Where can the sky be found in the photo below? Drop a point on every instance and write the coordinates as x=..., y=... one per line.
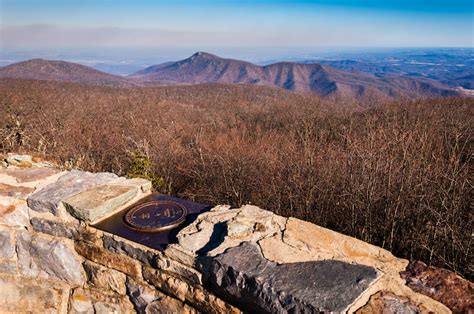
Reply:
x=41, y=24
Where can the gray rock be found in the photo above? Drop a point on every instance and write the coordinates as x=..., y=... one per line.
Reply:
x=48, y=198
x=47, y=258
x=6, y=246
x=53, y=228
x=144, y=256
x=59, y=229
x=140, y=295
x=243, y=277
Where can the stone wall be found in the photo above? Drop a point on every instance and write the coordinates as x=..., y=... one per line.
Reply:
x=228, y=260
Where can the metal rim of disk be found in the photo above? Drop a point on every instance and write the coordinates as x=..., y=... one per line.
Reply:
x=136, y=226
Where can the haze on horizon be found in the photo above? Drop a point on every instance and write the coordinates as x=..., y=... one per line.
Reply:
x=59, y=24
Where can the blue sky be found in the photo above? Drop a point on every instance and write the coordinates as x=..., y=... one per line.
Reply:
x=218, y=23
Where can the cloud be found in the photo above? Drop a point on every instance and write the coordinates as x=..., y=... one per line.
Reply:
x=40, y=36
x=44, y=36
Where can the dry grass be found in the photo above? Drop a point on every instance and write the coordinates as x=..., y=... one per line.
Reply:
x=397, y=175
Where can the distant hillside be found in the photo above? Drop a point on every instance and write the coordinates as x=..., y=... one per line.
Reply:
x=39, y=69
x=320, y=79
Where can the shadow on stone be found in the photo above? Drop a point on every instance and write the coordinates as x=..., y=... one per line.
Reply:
x=245, y=278
x=217, y=237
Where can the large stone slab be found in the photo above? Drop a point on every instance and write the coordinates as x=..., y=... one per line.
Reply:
x=48, y=198
x=20, y=295
x=245, y=278
x=99, y=201
x=48, y=258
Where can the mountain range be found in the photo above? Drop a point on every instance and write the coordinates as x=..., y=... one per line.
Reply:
x=201, y=67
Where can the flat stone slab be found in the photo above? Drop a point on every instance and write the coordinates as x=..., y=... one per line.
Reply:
x=30, y=174
x=20, y=192
x=244, y=277
x=99, y=201
x=48, y=198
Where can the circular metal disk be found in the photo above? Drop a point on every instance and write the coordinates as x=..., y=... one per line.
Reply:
x=156, y=216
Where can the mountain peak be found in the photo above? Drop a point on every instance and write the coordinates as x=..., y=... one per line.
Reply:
x=203, y=55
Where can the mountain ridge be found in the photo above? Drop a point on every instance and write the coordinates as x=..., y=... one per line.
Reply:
x=319, y=79
x=201, y=67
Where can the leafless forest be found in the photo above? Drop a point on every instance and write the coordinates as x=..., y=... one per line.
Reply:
x=398, y=175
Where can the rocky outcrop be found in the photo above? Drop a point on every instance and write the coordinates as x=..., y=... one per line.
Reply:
x=53, y=259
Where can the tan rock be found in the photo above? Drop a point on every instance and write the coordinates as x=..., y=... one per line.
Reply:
x=19, y=192
x=22, y=295
x=106, y=258
x=144, y=185
x=96, y=301
x=13, y=212
x=105, y=278
x=193, y=294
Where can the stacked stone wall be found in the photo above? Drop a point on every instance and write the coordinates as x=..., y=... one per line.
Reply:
x=52, y=259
